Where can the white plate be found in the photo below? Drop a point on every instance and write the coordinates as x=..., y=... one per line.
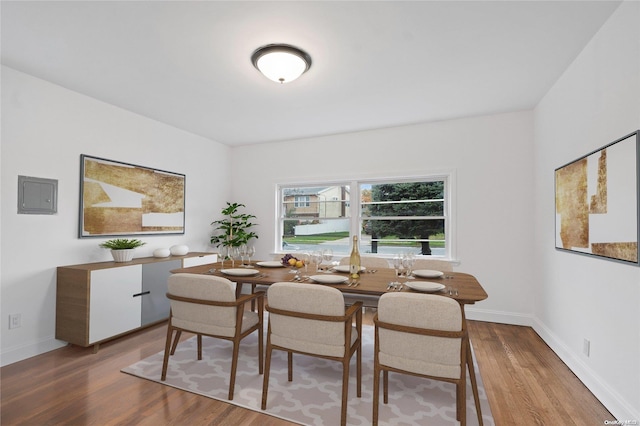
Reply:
x=240, y=272
x=270, y=264
x=428, y=273
x=346, y=268
x=424, y=286
x=329, y=279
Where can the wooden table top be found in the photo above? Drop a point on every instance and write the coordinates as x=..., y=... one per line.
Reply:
x=469, y=290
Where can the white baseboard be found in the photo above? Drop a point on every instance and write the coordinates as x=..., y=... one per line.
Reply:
x=22, y=352
x=614, y=402
x=501, y=317
x=620, y=409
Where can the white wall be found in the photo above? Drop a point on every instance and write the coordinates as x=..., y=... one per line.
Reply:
x=491, y=157
x=45, y=128
x=577, y=297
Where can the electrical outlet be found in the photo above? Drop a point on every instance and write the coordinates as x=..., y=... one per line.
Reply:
x=15, y=321
x=586, y=347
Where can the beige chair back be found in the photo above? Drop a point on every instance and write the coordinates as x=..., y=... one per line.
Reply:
x=303, y=334
x=427, y=355
x=433, y=264
x=206, y=319
x=370, y=262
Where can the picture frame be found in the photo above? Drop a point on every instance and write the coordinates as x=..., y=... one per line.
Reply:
x=118, y=198
x=597, y=203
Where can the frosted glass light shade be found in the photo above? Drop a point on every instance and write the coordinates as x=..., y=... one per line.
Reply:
x=281, y=63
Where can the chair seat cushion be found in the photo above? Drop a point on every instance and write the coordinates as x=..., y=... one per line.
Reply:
x=419, y=366
x=311, y=346
x=249, y=319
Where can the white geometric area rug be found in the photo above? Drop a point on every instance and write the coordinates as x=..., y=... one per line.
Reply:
x=314, y=395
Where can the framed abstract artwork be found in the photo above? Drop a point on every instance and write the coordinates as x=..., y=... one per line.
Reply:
x=597, y=202
x=118, y=198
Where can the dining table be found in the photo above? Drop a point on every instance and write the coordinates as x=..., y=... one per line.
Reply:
x=460, y=286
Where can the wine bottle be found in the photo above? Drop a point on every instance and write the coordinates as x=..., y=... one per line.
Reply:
x=354, y=260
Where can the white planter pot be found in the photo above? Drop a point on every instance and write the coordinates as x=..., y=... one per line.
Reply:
x=125, y=255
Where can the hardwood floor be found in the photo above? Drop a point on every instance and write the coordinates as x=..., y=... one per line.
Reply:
x=525, y=381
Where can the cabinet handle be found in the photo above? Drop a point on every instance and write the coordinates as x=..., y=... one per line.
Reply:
x=142, y=294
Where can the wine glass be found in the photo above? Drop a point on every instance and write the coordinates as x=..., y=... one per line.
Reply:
x=233, y=255
x=306, y=258
x=251, y=251
x=242, y=252
x=327, y=254
x=223, y=251
x=409, y=261
x=316, y=257
x=397, y=264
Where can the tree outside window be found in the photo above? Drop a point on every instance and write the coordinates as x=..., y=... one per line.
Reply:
x=408, y=214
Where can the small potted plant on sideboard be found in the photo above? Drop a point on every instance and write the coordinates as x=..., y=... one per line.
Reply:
x=122, y=248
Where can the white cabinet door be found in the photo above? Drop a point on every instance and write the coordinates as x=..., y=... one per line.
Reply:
x=200, y=260
x=113, y=309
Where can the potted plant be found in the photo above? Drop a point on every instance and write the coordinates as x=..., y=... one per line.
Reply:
x=122, y=248
x=234, y=229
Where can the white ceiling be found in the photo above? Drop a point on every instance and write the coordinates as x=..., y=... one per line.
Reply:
x=375, y=64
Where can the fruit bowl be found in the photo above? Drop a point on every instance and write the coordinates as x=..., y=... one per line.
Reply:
x=292, y=261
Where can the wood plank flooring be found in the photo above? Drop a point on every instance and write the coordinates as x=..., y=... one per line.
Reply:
x=525, y=381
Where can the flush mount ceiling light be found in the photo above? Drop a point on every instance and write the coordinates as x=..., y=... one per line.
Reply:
x=281, y=63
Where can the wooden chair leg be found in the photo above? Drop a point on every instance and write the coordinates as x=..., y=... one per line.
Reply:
x=234, y=367
x=176, y=340
x=260, y=351
x=167, y=350
x=260, y=335
x=462, y=398
x=253, y=302
x=474, y=384
x=345, y=392
x=265, y=382
x=290, y=364
x=376, y=394
x=359, y=369
x=199, y=347
x=385, y=386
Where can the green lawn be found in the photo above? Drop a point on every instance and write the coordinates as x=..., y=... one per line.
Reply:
x=316, y=238
x=321, y=238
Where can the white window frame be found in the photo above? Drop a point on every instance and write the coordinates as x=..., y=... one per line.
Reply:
x=447, y=176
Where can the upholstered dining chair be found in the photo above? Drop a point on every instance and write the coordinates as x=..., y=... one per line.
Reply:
x=311, y=319
x=422, y=335
x=207, y=306
x=370, y=262
x=433, y=264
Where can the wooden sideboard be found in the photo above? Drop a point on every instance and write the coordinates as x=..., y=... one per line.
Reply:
x=100, y=301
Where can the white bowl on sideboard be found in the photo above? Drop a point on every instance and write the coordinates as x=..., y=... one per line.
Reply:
x=179, y=250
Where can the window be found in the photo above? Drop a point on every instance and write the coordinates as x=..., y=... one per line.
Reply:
x=389, y=217
x=301, y=201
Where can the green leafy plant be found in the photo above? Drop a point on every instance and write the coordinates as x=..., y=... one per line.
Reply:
x=122, y=244
x=233, y=230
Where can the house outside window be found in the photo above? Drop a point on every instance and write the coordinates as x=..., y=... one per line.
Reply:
x=391, y=216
